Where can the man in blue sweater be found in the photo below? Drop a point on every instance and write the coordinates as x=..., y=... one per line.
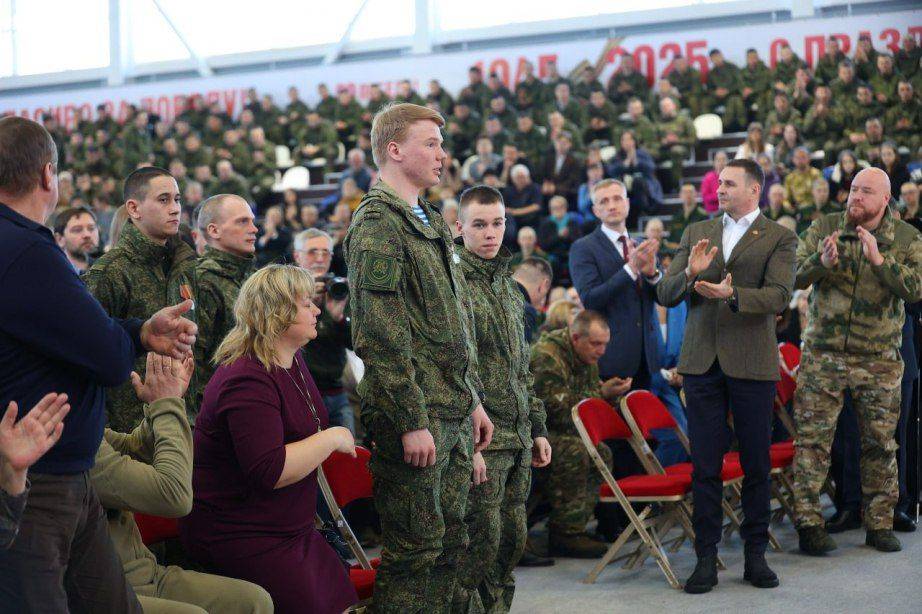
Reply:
x=55, y=337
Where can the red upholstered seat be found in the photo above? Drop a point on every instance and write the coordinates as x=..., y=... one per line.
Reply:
x=789, y=361
x=784, y=444
x=364, y=579
x=731, y=469
x=780, y=457
x=650, y=486
x=156, y=529
x=349, y=478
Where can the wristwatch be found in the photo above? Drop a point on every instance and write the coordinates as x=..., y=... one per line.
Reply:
x=733, y=301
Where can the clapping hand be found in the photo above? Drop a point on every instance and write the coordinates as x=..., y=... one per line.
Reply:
x=869, y=246
x=24, y=442
x=830, y=256
x=700, y=258
x=642, y=259
x=168, y=333
x=616, y=386
x=723, y=290
x=164, y=378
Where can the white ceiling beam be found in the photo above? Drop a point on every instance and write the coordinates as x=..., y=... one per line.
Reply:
x=200, y=63
x=336, y=49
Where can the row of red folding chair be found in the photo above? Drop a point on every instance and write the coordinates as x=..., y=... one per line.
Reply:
x=597, y=421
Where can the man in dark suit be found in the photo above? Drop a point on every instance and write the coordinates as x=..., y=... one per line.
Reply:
x=562, y=171
x=737, y=272
x=617, y=278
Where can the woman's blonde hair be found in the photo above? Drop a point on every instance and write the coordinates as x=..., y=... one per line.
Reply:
x=116, y=226
x=560, y=314
x=266, y=307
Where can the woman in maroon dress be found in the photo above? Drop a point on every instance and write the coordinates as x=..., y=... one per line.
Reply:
x=259, y=438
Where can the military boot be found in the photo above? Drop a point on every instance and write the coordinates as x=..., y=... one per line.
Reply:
x=883, y=539
x=704, y=578
x=575, y=546
x=815, y=541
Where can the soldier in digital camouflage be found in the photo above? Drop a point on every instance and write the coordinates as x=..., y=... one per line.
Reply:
x=421, y=394
x=564, y=364
x=864, y=264
x=226, y=223
x=496, y=516
x=148, y=269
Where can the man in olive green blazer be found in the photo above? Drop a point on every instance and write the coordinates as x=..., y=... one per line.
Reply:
x=737, y=273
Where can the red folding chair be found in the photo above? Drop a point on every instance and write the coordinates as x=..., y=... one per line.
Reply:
x=644, y=413
x=788, y=363
x=597, y=421
x=342, y=480
x=155, y=529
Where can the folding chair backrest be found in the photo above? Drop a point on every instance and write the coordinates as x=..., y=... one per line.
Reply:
x=601, y=421
x=349, y=478
x=648, y=412
x=789, y=362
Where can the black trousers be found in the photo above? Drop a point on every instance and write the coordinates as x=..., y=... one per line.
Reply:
x=845, y=464
x=709, y=398
x=63, y=560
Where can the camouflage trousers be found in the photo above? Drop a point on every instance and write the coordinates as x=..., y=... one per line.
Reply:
x=497, y=528
x=733, y=115
x=422, y=517
x=573, y=484
x=875, y=386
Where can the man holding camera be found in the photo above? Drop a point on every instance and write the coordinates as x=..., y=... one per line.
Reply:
x=326, y=355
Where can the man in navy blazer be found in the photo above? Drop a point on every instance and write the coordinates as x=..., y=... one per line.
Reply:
x=617, y=278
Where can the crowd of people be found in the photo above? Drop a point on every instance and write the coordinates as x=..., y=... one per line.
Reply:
x=478, y=261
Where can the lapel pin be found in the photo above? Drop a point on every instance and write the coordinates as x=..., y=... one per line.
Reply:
x=755, y=232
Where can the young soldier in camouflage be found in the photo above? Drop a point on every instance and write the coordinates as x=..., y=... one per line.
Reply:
x=863, y=265
x=496, y=517
x=564, y=364
x=225, y=221
x=148, y=269
x=412, y=326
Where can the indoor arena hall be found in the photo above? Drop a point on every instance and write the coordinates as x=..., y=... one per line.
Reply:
x=442, y=307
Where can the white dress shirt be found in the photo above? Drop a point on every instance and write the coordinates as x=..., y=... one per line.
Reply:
x=615, y=237
x=734, y=230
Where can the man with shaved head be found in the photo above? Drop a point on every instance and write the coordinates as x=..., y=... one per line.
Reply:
x=863, y=264
x=226, y=224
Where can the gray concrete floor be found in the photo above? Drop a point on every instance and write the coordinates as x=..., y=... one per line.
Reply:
x=854, y=578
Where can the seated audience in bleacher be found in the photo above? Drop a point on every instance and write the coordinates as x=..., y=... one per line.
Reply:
x=260, y=436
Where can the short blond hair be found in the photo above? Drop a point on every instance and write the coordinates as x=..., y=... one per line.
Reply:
x=266, y=307
x=391, y=124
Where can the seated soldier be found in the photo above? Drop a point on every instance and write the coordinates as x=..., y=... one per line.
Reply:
x=564, y=364
x=149, y=471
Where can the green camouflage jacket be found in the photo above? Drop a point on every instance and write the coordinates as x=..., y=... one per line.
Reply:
x=502, y=352
x=135, y=279
x=219, y=276
x=412, y=323
x=561, y=379
x=857, y=307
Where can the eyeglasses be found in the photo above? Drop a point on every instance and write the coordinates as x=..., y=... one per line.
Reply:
x=317, y=252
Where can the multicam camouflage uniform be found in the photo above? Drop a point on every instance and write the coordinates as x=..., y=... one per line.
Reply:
x=412, y=326
x=852, y=341
x=496, y=517
x=219, y=276
x=562, y=380
x=136, y=279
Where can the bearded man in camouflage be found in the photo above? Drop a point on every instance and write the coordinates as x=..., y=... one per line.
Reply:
x=863, y=265
x=421, y=394
x=496, y=519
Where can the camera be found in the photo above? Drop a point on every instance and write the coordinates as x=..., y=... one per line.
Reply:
x=337, y=288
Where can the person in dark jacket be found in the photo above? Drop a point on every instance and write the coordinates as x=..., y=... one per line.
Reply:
x=55, y=337
x=634, y=167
